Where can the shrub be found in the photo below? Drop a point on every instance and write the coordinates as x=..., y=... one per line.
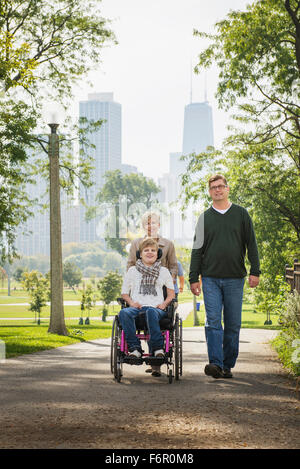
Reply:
x=287, y=343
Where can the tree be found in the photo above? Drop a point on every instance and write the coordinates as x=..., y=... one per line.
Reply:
x=257, y=54
x=109, y=287
x=71, y=274
x=38, y=288
x=44, y=49
x=126, y=197
x=18, y=273
x=86, y=303
x=50, y=44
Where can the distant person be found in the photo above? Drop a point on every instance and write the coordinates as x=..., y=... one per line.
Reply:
x=180, y=277
x=223, y=235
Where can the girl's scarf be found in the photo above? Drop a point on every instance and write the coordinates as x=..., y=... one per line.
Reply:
x=149, y=276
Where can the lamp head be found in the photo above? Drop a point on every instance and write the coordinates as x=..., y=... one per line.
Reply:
x=53, y=128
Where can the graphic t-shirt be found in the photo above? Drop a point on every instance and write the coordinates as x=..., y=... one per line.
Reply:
x=132, y=282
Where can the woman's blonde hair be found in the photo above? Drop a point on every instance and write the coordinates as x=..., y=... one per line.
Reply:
x=150, y=214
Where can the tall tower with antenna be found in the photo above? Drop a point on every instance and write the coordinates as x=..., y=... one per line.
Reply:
x=198, y=124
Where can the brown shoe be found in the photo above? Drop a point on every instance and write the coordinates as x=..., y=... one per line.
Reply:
x=213, y=370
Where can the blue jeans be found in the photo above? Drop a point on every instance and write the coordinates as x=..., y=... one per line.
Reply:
x=153, y=315
x=223, y=294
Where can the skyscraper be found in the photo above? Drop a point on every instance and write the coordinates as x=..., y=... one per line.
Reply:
x=106, y=154
x=34, y=235
x=197, y=136
x=198, y=128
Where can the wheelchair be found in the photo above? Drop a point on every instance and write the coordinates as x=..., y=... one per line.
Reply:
x=171, y=328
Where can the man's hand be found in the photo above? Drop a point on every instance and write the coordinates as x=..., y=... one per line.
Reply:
x=253, y=281
x=195, y=288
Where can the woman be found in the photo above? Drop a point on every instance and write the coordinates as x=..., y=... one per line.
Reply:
x=151, y=225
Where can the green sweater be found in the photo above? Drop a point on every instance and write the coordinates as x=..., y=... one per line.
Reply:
x=221, y=251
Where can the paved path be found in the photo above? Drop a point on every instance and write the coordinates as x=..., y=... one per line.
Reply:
x=66, y=398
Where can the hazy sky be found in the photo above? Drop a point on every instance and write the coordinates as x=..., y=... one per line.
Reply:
x=149, y=72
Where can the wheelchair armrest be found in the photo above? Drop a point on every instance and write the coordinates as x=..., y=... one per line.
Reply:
x=122, y=302
x=171, y=308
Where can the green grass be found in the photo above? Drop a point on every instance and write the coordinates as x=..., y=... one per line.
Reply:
x=22, y=296
x=29, y=338
x=70, y=312
x=26, y=336
x=250, y=319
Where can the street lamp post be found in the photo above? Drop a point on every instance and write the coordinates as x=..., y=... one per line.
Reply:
x=57, y=319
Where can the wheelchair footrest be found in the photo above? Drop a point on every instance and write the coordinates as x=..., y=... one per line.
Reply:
x=154, y=361
x=132, y=360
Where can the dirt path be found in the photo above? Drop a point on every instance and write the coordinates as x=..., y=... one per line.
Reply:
x=66, y=398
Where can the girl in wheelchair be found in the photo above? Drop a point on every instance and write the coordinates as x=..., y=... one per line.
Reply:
x=143, y=291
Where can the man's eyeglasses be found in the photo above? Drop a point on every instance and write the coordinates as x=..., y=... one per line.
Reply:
x=220, y=187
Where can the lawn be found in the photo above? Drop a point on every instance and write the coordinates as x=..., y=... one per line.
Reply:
x=250, y=319
x=26, y=336
x=73, y=311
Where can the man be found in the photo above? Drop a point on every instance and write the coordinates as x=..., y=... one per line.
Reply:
x=223, y=234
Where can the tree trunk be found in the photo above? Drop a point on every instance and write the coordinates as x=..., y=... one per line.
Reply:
x=57, y=319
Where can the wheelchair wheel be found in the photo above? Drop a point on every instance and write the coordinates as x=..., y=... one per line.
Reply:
x=177, y=347
x=180, y=347
x=112, y=345
x=115, y=362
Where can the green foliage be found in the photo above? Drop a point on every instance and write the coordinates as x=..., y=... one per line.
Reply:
x=287, y=344
x=28, y=263
x=257, y=54
x=18, y=273
x=44, y=49
x=87, y=299
x=38, y=287
x=53, y=42
x=71, y=274
x=258, y=45
x=290, y=313
x=92, y=259
x=270, y=297
x=121, y=202
x=109, y=288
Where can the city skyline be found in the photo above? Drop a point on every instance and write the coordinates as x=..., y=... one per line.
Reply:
x=150, y=74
